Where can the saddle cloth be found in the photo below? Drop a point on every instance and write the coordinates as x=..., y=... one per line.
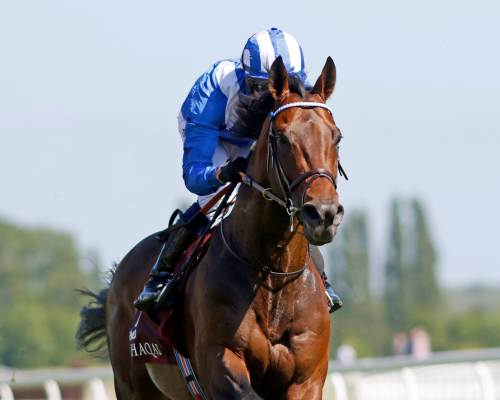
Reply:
x=154, y=336
x=157, y=338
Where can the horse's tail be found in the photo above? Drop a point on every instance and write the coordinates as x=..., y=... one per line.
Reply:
x=91, y=333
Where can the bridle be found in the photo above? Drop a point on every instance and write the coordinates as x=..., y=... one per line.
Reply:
x=287, y=187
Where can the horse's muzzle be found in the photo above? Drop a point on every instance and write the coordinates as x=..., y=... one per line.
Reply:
x=321, y=221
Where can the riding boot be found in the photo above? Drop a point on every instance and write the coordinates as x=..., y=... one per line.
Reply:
x=334, y=300
x=162, y=271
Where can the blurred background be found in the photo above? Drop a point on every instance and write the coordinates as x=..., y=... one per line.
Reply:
x=90, y=160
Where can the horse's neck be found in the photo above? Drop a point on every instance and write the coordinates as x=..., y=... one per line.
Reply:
x=260, y=230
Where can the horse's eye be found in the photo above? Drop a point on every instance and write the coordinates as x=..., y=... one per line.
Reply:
x=339, y=138
x=282, y=139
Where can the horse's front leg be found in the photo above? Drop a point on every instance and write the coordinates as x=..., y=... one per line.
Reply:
x=226, y=375
x=312, y=388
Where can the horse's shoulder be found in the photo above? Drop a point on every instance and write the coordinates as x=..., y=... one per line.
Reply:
x=221, y=274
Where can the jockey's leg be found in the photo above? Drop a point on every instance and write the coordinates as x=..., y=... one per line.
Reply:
x=191, y=224
x=162, y=271
x=334, y=300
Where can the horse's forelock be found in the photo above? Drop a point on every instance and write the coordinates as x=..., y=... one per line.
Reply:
x=252, y=110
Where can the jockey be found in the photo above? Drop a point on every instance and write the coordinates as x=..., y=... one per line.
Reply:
x=213, y=153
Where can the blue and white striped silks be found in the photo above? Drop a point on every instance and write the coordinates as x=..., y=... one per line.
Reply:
x=208, y=115
x=264, y=47
x=209, y=111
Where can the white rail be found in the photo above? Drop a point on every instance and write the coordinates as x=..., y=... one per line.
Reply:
x=453, y=381
x=6, y=392
x=442, y=357
x=96, y=383
x=469, y=375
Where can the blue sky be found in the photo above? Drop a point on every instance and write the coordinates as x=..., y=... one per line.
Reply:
x=90, y=90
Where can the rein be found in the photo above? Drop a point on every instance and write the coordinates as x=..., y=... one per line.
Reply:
x=288, y=187
x=263, y=267
x=163, y=295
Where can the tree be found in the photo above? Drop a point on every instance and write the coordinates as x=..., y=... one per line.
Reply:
x=474, y=328
x=39, y=272
x=351, y=263
x=427, y=292
x=412, y=294
x=349, y=257
x=397, y=302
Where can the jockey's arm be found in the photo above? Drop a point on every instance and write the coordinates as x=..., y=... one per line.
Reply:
x=203, y=113
x=200, y=175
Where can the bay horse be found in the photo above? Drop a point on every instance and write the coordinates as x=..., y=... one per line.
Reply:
x=255, y=317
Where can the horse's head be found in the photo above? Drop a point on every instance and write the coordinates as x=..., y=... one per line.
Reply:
x=303, y=151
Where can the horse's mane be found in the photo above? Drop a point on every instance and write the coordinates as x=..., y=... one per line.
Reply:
x=253, y=109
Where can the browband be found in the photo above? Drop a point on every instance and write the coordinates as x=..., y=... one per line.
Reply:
x=303, y=104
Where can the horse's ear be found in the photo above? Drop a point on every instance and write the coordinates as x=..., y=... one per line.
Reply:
x=278, y=79
x=326, y=82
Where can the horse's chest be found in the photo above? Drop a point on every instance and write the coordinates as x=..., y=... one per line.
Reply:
x=288, y=339
x=274, y=360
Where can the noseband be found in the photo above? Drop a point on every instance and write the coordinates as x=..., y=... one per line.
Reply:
x=286, y=186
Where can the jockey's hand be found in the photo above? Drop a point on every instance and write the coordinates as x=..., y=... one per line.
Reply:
x=230, y=172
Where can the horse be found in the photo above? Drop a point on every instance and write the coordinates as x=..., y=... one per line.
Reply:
x=254, y=314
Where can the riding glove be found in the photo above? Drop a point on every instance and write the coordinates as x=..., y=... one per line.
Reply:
x=230, y=172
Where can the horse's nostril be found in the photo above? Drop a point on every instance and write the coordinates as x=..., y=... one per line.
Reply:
x=321, y=214
x=329, y=217
x=311, y=213
x=339, y=215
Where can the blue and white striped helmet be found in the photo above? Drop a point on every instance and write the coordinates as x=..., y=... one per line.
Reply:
x=265, y=46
